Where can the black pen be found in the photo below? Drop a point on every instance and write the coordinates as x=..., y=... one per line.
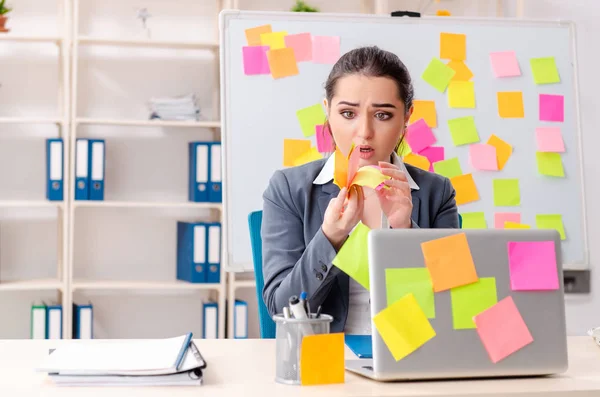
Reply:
x=318, y=312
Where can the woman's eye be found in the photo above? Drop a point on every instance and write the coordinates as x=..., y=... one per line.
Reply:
x=347, y=114
x=382, y=116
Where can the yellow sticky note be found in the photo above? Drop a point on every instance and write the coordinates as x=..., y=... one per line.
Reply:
x=311, y=155
x=424, y=110
x=463, y=73
x=473, y=220
x=353, y=258
x=503, y=150
x=466, y=190
x=253, y=34
x=369, y=176
x=403, y=326
x=544, y=70
x=417, y=160
x=275, y=40
x=461, y=94
x=453, y=46
x=438, y=74
x=506, y=192
x=404, y=149
x=293, y=149
x=551, y=221
x=510, y=104
x=550, y=164
x=282, y=62
x=322, y=359
x=515, y=225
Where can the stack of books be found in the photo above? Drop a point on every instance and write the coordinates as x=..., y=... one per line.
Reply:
x=175, y=108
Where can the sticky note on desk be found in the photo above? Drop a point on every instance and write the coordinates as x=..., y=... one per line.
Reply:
x=532, y=265
x=463, y=130
x=419, y=136
x=550, y=164
x=322, y=359
x=253, y=34
x=473, y=220
x=424, y=110
x=255, y=60
x=472, y=299
x=453, y=46
x=506, y=192
x=403, y=326
x=275, y=40
x=461, y=94
x=466, y=189
x=544, y=70
x=400, y=282
x=326, y=49
x=503, y=150
x=293, y=149
x=309, y=117
x=551, y=221
x=552, y=107
x=302, y=45
x=449, y=262
x=353, y=258
x=438, y=75
x=282, y=63
x=505, y=64
x=448, y=168
x=510, y=104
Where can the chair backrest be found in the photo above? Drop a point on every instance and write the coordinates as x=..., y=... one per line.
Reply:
x=267, y=325
x=459, y=221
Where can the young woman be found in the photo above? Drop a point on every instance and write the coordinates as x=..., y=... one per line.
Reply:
x=307, y=218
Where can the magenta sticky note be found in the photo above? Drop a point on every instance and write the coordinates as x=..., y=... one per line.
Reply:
x=502, y=329
x=255, y=60
x=483, y=157
x=302, y=45
x=505, y=64
x=419, y=136
x=433, y=154
x=532, y=265
x=324, y=139
x=501, y=217
x=549, y=139
x=552, y=107
x=325, y=49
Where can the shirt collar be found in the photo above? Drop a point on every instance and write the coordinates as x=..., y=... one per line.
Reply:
x=326, y=174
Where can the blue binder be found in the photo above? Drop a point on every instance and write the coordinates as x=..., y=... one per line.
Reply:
x=215, y=194
x=191, y=252
x=240, y=319
x=54, y=321
x=82, y=176
x=54, y=169
x=198, y=171
x=210, y=320
x=213, y=252
x=96, y=168
x=83, y=321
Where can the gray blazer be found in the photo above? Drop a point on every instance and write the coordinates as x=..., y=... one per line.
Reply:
x=296, y=254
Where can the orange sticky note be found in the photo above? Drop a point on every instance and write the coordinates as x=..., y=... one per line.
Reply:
x=340, y=173
x=510, y=104
x=282, y=62
x=449, y=262
x=293, y=149
x=466, y=190
x=322, y=359
x=503, y=150
x=463, y=73
x=453, y=46
x=311, y=155
x=253, y=34
x=424, y=110
x=417, y=160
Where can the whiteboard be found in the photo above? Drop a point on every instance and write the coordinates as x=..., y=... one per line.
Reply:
x=259, y=112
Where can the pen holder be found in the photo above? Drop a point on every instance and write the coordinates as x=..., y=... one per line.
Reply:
x=288, y=334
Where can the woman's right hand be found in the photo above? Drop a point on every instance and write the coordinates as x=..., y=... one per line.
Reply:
x=342, y=214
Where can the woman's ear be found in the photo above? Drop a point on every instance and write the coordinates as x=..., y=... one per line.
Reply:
x=326, y=106
x=409, y=113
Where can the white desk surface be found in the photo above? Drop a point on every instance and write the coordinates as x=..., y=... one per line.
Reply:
x=247, y=368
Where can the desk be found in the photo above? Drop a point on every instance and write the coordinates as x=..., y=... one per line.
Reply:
x=241, y=368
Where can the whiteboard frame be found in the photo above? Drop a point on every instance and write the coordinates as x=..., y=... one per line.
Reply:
x=226, y=15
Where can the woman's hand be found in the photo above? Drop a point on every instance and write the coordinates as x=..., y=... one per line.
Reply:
x=396, y=202
x=342, y=215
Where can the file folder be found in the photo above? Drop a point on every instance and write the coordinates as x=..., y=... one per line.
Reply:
x=82, y=179
x=213, y=244
x=83, y=321
x=38, y=321
x=54, y=321
x=210, y=320
x=240, y=320
x=96, y=168
x=54, y=169
x=215, y=194
x=191, y=252
x=198, y=171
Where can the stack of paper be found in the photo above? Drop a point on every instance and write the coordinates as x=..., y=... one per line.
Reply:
x=174, y=108
x=172, y=361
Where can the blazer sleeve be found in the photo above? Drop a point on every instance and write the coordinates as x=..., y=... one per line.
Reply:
x=290, y=265
x=447, y=215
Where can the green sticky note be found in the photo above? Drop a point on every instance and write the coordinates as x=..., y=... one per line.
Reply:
x=448, y=168
x=404, y=148
x=473, y=220
x=400, y=282
x=549, y=164
x=507, y=192
x=470, y=300
x=544, y=70
x=438, y=74
x=463, y=130
x=551, y=221
x=353, y=257
x=310, y=117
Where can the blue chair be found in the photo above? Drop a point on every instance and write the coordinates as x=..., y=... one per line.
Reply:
x=459, y=221
x=267, y=325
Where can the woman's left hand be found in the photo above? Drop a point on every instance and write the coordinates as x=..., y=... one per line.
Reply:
x=396, y=202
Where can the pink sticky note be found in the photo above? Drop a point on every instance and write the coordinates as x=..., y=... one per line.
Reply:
x=324, y=140
x=326, y=49
x=255, y=60
x=504, y=64
x=419, y=136
x=483, y=157
x=549, y=139
x=502, y=329
x=552, y=107
x=302, y=45
x=501, y=217
x=532, y=265
x=433, y=153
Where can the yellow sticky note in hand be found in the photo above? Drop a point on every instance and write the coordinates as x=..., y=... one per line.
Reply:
x=369, y=176
x=463, y=73
x=403, y=326
x=510, y=104
x=417, y=160
x=466, y=189
x=311, y=155
x=282, y=62
x=353, y=258
x=551, y=221
x=275, y=40
x=453, y=46
x=253, y=34
x=293, y=149
x=424, y=110
x=503, y=150
x=461, y=94
x=322, y=359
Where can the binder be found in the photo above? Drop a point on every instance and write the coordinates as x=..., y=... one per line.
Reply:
x=198, y=171
x=38, y=321
x=213, y=253
x=215, y=194
x=83, y=321
x=240, y=319
x=96, y=168
x=191, y=251
x=210, y=320
x=82, y=179
x=54, y=321
x=54, y=169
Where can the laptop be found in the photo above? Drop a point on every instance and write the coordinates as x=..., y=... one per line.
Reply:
x=460, y=353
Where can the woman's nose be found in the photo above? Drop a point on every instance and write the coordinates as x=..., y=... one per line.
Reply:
x=365, y=129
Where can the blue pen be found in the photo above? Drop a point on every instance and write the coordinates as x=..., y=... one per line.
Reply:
x=305, y=303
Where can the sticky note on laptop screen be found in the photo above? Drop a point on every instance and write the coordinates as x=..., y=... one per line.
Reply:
x=322, y=359
x=400, y=282
x=472, y=299
x=532, y=265
x=353, y=257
